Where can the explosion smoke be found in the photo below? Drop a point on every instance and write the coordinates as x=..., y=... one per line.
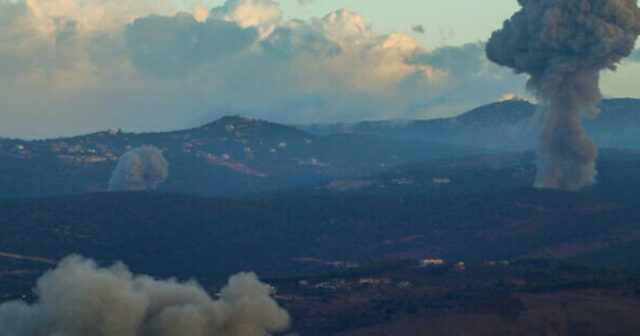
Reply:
x=563, y=45
x=141, y=168
x=78, y=298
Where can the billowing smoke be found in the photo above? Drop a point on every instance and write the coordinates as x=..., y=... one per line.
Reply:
x=563, y=45
x=141, y=168
x=79, y=298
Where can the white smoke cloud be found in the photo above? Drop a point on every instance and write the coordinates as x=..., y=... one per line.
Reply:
x=141, y=66
x=141, y=168
x=80, y=298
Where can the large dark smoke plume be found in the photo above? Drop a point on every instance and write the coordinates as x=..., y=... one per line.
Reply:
x=141, y=168
x=563, y=45
x=81, y=299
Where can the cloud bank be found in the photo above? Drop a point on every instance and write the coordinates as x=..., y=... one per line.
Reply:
x=80, y=298
x=142, y=168
x=77, y=66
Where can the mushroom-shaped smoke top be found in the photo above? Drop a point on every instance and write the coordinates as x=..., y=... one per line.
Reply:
x=80, y=298
x=141, y=168
x=563, y=45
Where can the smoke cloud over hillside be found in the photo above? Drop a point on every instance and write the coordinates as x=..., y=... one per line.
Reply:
x=80, y=298
x=563, y=45
x=141, y=168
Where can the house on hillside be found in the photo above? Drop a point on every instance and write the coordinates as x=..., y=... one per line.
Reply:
x=431, y=262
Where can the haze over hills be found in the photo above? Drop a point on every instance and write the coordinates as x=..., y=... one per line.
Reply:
x=512, y=125
x=235, y=156
x=230, y=157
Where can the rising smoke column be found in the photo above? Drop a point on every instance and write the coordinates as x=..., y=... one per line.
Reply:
x=141, y=168
x=563, y=45
x=79, y=298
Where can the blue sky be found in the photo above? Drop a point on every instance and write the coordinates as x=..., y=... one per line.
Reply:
x=78, y=66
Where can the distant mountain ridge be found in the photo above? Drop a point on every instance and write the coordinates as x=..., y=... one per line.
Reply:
x=512, y=125
x=232, y=156
x=236, y=156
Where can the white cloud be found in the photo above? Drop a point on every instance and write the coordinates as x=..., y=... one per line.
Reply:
x=347, y=27
x=262, y=14
x=201, y=14
x=77, y=66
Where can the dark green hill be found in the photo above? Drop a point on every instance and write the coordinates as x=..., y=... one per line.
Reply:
x=618, y=178
x=207, y=238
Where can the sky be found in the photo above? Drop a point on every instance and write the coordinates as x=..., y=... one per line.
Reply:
x=71, y=67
